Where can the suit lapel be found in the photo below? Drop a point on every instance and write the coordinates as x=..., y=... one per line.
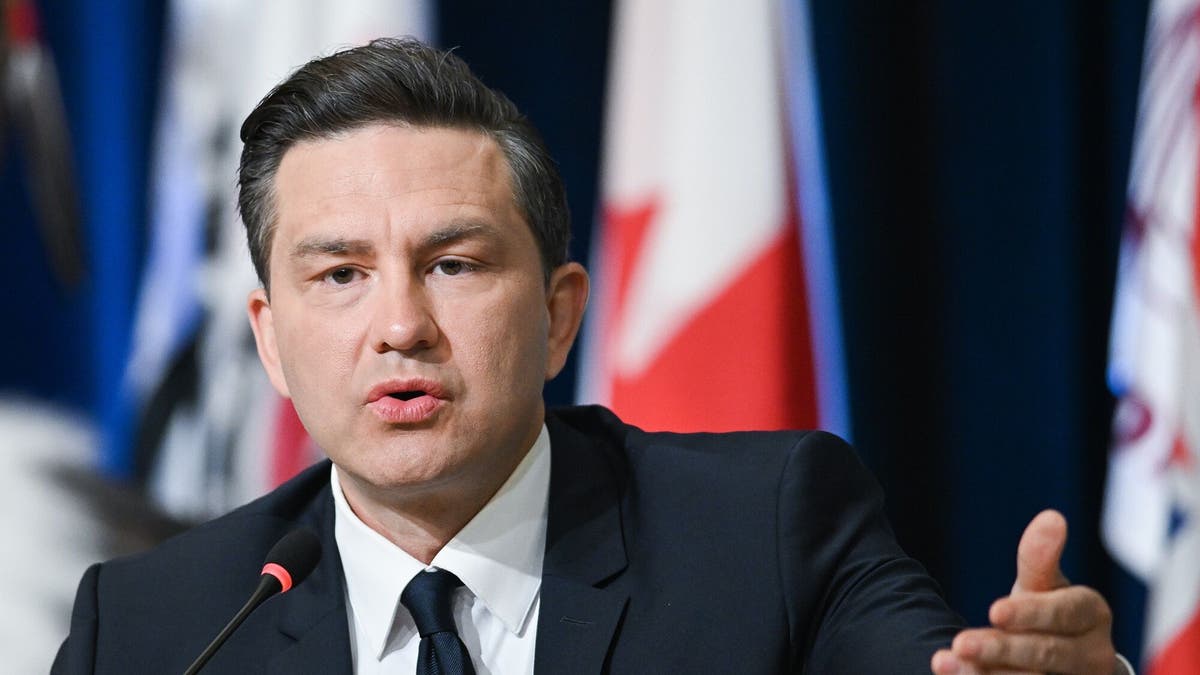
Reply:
x=584, y=549
x=314, y=613
x=576, y=626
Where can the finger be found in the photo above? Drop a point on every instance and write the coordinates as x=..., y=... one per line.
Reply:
x=992, y=649
x=1039, y=553
x=968, y=644
x=1067, y=611
x=944, y=662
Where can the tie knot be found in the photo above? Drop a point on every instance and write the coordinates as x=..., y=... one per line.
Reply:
x=427, y=597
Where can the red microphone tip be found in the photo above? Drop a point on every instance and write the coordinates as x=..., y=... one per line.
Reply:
x=277, y=571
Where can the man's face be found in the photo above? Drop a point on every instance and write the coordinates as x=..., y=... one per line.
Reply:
x=409, y=319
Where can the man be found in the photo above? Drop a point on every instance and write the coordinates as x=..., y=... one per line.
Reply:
x=410, y=232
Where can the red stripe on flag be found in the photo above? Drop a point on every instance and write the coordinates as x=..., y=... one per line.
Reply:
x=289, y=446
x=624, y=230
x=1181, y=655
x=21, y=19
x=1180, y=455
x=742, y=362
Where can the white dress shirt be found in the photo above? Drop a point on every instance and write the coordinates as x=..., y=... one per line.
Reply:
x=497, y=555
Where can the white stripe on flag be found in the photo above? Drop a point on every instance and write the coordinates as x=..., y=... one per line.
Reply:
x=225, y=56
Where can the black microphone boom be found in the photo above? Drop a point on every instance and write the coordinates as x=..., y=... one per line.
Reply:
x=288, y=562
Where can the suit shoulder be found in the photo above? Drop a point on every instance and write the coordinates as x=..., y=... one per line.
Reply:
x=736, y=455
x=782, y=444
x=148, y=612
x=599, y=422
x=231, y=541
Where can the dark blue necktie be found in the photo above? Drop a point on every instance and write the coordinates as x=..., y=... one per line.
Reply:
x=441, y=651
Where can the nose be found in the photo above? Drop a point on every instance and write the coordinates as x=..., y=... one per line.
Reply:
x=403, y=318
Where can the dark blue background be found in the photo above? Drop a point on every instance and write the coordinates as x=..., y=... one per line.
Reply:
x=977, y=160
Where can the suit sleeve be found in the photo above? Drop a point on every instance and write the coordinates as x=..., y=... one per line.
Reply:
x=77, y=654
x=857, y=603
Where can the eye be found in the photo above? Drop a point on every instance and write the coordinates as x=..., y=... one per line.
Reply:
x=452, y=267
x=342, y=275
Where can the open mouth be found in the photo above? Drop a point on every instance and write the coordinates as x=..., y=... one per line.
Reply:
x=406, y=401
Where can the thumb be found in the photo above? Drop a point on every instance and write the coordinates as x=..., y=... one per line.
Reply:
x=1039, y=553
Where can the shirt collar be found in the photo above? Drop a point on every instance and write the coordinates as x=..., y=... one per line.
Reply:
x=497, y=555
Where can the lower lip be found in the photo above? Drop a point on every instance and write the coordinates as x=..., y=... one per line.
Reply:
x=412, y=411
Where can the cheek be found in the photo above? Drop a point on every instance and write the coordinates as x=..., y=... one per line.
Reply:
x=509, y=343
x=315, y=351
x=528, y=345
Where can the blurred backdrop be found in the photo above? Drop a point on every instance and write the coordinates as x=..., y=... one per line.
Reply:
x=975, y=166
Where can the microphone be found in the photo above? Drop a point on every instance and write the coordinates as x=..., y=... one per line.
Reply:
x=288, y=563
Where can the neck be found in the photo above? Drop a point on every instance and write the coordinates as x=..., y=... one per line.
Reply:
x=421, y=519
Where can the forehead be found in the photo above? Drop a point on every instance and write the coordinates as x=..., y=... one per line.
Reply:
x=402, y=176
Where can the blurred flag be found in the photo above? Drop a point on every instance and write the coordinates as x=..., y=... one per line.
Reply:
x=714, y=306
x=212, y=432
x=51, y=534
x=32, y=110
x=1152, y=502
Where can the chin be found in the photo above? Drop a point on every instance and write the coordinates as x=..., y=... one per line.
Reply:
x=390, y=475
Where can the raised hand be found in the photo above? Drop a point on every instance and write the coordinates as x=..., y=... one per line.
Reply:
x=1044, y=625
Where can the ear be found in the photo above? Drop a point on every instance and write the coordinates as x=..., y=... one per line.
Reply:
x=566, y=299
x=258, y=307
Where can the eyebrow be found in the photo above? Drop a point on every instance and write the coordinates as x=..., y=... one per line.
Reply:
x=457, y=231
x=338, y=246
x=316, y=246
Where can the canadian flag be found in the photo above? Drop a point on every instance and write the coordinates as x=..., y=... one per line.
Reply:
x=705, y=315
x=1152, y=500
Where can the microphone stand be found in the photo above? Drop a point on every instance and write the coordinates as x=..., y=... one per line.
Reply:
x=267, y=586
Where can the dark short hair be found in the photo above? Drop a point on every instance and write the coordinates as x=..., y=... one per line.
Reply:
x=401, y=81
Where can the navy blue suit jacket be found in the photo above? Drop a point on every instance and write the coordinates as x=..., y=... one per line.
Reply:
x=705, y=553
